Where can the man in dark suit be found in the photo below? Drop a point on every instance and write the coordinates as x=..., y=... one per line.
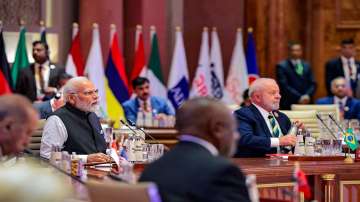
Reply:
x=40, y=80
x=349, y=107
x=194, y=170
x=345, y=65
x=262, y=127
x=295, y=78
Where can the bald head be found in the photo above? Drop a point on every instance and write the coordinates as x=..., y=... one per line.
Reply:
x=208, y=119
x=339, y=87
x=18, y=120
x=265, y=93
x=81, y=93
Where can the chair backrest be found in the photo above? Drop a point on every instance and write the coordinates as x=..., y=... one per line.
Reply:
x=307, y=117
x=322, y=109
x=35, y=140
x=114, y=191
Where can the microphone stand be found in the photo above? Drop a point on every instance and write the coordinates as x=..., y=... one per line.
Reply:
x=336, y=123
x=323, y=123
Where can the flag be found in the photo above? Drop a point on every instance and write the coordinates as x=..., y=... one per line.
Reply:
x=252, y=66
x=301, y=183
x=21, y=58
x=237, y=79
x=139, y=68
x=350, y=139
x=75, y=62
x=201, y=83
x=42, y=32
x=117, y=88
x=94, y=67
x=155, y=75
x=178, y=85
x=5, y=76
x=216, y=67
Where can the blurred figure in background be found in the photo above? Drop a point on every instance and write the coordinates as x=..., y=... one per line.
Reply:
x=246, y=99
x=345, y=66
x=40, y=80
x=18, y=120
x=199, y=171
x=145, y=102
x=295, y=78
x=349, y=107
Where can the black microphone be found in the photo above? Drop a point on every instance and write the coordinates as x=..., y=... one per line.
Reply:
x=324, y=124
x=336, y=123
x=142, y=130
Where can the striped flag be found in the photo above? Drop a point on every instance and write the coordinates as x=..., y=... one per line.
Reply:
x=21, y=57
x=237, y=80
x=139, y=68
x=43, y=32
x=155, y=75
x=216, y=67
x=117, y=88
x=94, y=67
x=75, y=61
x=178, y=85
x=252, y=65
x=5, y=77
x=201, y=83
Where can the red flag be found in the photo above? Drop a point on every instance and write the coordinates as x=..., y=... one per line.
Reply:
x=5, y=77
x=301, y=183
x=75, y=62
x=139, y=68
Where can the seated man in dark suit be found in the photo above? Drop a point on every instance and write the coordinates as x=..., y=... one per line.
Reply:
x=349, y=107
x=143, y=101
x=295, y=78
x=262, y=127
x=195, y=169
x=345, y=65
x=18, y=120
x=40, y=79
x=75, y=127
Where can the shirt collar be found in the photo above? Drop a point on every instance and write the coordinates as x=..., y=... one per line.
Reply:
x=263, y=112
x=46, y=64
x=343, y=100
x=345, y=60
x=207, y=145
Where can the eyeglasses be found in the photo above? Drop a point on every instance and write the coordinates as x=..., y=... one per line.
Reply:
x=89, y=92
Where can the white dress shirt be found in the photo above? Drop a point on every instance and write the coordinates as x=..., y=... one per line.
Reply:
x=274, y=141
x=207, y=145
x=345, y=65
x=45, y=71
x=148, y=103
x=338, y=100
x=54, y=134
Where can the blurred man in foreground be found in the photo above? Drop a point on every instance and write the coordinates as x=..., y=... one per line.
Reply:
x=262, y=127
x=196, y=169
x=75, y=127
x=18, y=120
x=349, y=107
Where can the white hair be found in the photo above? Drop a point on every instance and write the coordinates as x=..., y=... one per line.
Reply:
x=259, y=84
x=72, y=86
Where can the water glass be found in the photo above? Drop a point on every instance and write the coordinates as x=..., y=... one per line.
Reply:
x=326, y=147
x=336, y=147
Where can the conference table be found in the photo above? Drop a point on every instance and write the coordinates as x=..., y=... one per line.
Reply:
x=330, y=180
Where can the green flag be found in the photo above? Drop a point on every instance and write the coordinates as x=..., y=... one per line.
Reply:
x=350, y=139
x=155, y=76
x=21, y=58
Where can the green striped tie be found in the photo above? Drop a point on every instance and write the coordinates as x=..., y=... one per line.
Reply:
x=274, y=127
x=299, y=68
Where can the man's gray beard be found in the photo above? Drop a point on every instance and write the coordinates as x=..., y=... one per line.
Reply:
x=87, y=107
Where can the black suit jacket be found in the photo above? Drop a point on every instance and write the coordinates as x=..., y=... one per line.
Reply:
x=292, y=85
x=189, y=172
x=333, y=69
x=26, y=84
x=254, y=134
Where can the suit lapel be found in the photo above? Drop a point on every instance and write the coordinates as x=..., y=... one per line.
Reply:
x=260, y=118
x=32, y=78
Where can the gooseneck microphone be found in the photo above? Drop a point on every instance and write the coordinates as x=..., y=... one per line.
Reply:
x=142, y=130
x=324, y=124
x=336, y=123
